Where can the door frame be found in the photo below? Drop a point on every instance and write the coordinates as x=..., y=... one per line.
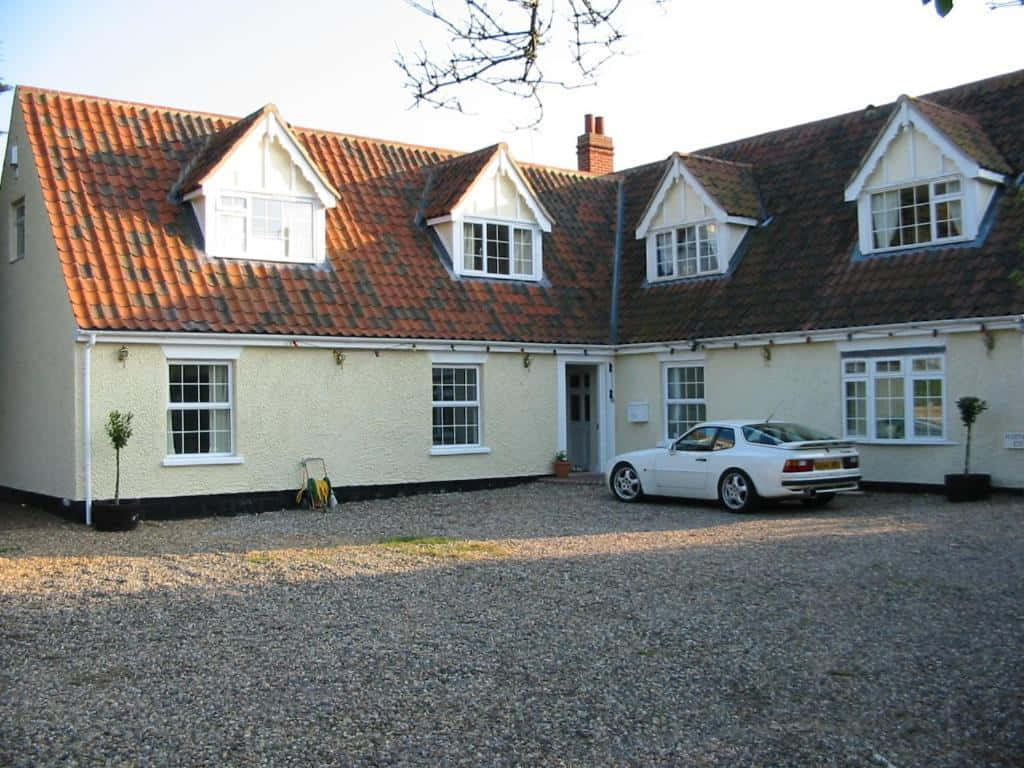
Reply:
x=604, y=403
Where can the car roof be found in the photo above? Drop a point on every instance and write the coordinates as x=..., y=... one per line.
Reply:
x=732, y=422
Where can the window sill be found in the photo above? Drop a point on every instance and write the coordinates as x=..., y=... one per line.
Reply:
x=192, y=461
x=937, y=242
x=458, y=450
x=254, y=257
x=517, y=278
x=865, y=441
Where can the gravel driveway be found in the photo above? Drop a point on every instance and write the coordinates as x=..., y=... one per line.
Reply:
x=886, y=630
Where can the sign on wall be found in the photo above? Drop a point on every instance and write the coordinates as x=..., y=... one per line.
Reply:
x=637, y=412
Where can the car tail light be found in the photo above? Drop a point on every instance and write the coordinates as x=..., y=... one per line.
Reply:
x=798, y=465
x=851, y=462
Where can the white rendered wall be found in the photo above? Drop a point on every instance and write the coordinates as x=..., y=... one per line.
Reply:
x=802, y=382
x=37, y=372
x=369, y=418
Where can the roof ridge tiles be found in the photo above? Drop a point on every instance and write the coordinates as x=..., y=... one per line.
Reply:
x=737, y=163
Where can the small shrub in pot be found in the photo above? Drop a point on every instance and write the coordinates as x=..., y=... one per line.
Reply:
x=969, y=487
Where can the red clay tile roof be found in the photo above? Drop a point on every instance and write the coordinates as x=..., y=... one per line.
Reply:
x=732, y=185
x=448, y=182
x=133, y=259
x=798, y=271
x=964, y=131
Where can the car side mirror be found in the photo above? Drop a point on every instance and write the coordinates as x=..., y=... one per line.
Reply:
x=672, y=448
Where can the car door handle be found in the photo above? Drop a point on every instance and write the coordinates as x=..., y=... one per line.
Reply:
x=701, y=459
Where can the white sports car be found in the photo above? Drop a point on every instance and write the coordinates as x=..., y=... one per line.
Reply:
x=741, y=462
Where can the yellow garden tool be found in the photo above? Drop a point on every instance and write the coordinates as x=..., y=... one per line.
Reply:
x=315, y=492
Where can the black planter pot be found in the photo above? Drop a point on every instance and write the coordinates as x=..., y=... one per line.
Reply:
x=108, y=516
x=972, y=487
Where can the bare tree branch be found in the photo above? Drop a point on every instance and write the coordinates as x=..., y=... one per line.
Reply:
x=499, y=44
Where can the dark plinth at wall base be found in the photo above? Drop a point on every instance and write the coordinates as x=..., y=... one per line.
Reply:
x=108, y=516
x=230, y=504
x=972, y=487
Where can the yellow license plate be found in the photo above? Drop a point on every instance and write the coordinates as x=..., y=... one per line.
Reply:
x=828, y=464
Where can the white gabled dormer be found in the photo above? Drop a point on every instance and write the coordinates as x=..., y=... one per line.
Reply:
x=691, y=232
x=928, y=179
x=257, y=195
x=489, y=218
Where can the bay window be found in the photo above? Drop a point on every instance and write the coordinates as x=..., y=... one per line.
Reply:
x=893, y=396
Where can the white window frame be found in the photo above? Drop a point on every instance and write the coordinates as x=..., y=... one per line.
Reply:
x=683, y=401
x=464, y=260
x=933, y=202
x=221, y=457
x=18, y=227
x=459, y=448
x=871, y=375
x=215, y=210
x=674, y=233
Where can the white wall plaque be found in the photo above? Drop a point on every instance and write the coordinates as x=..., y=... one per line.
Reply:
x=1013, y=440
x=638, y=412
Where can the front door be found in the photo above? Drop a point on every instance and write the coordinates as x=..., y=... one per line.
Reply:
x=581, y=409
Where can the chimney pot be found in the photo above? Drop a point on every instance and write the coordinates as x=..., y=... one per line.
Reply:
x=599, y=125
x=588, y=123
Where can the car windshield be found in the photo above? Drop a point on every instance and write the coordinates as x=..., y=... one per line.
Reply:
x=782, y=432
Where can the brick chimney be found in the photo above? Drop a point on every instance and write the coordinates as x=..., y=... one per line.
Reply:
x=594, y=150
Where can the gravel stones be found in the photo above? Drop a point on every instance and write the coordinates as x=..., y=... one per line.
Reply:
x=885, y=630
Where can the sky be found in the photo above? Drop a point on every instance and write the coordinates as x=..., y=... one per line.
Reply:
x=693, y=74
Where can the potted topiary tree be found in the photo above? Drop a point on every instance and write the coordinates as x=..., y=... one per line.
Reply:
x=113, y=515
x=562, y=465
x=968, y=487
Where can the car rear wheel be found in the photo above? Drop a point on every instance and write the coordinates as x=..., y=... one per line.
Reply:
x=626, y=483
x=737, y=492
x=817, y=500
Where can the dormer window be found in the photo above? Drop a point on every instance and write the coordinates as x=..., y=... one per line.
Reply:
x=691, y=232
x=257, y=195
x=501, y=250
x=921, y=213
x=687, y=251
x=928, y=179
x=487, y=216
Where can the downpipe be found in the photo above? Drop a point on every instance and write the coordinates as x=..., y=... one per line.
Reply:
x=87, y=425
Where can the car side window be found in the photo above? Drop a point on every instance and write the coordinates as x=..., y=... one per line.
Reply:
x=724, y=440
x=700, y=439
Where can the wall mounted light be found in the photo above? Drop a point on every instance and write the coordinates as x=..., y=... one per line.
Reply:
x=339, y=357
x=527, y=360
x=122, y=354
x=987, y=338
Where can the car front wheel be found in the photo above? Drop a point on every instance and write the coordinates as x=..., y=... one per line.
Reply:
x=626, y=483
x=737, y=492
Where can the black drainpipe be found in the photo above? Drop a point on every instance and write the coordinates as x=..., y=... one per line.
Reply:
x=620, y=217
